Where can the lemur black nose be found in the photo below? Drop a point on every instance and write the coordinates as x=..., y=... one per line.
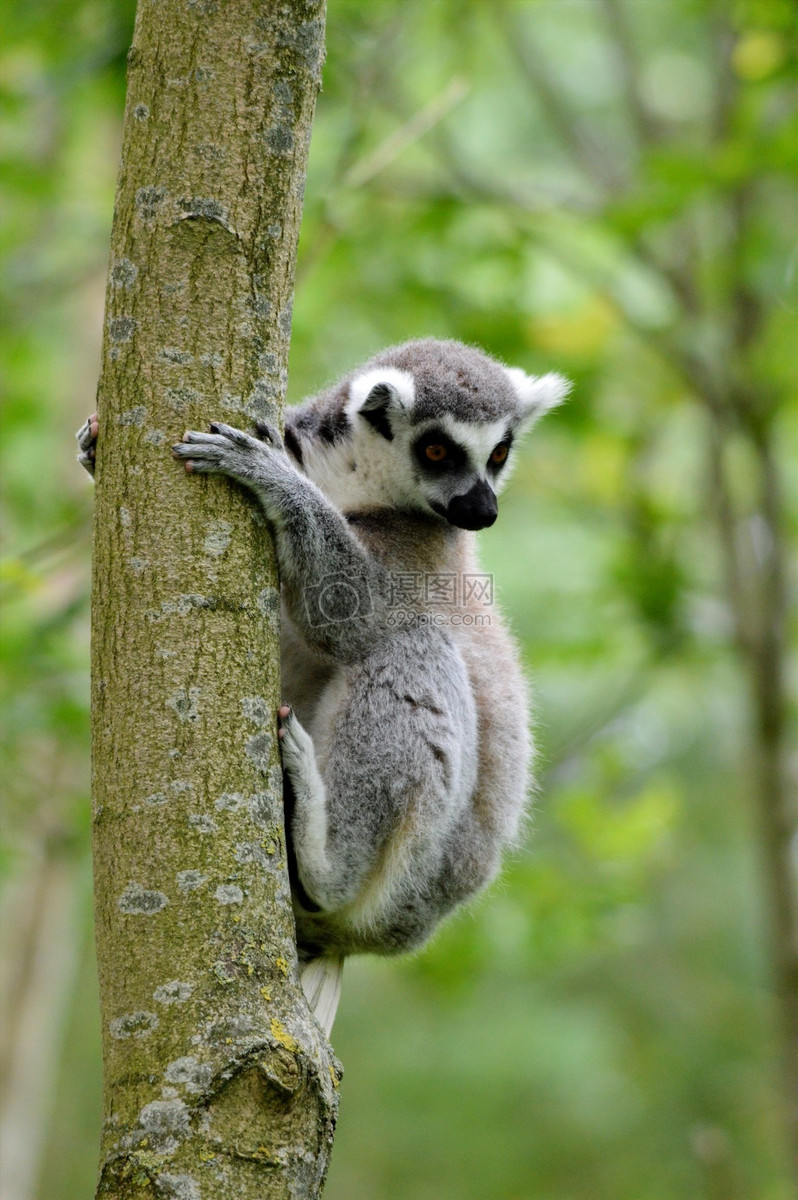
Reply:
x=475, y=509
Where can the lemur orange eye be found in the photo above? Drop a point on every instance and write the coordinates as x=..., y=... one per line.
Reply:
x=435, y=452
x=499, y=454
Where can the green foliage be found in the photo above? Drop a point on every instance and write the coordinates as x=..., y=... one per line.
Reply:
x=598, y=1026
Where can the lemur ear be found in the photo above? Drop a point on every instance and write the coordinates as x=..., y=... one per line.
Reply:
x=537, y=393
x=379, y=394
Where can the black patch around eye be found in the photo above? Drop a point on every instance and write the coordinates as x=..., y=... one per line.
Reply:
x=497, y=466
x=455, y=455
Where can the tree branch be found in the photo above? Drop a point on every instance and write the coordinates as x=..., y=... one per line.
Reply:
x=616, y=14
x=592, y=161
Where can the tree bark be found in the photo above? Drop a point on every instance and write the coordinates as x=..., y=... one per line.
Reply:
x=217, y=1081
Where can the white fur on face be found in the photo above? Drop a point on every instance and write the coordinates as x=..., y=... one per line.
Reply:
x=479, y=440
x=364, y=470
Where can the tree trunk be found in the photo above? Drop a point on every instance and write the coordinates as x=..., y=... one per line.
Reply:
x=217, y=1081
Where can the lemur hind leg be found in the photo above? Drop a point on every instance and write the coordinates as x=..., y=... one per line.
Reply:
x=309, y=816
x=324, y=876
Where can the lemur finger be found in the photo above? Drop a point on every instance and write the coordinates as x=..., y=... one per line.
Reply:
x=87, y=434
x=200, y=466
x=209, y=448
x=233, y=435
x=267, y=433
x=196, y=435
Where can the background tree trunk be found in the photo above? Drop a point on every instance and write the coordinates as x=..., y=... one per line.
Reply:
x=217, y=1081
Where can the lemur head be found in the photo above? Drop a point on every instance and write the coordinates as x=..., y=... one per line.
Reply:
x=428, y=426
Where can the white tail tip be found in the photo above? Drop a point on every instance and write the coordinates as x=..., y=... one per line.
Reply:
x=321, y=983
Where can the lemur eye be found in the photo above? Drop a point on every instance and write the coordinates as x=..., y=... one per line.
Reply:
x=435, y=453
x=499, y=454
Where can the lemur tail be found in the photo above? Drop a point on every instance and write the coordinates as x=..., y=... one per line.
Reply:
x=321, y=983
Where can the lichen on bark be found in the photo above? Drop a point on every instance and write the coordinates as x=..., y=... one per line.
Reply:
x=217, y=1081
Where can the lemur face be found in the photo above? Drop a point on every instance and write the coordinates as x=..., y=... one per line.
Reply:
x=428, y=426
x=459, y=468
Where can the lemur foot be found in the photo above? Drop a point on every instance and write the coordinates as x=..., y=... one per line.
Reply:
x=87, y=442
x=296, y=743
x=307, y=805
x=224, y=450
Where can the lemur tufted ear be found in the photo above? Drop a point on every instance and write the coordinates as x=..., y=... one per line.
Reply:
x=379, y=393
x=537, y=393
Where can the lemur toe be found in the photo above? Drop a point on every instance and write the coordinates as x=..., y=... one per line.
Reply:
x=284, y=713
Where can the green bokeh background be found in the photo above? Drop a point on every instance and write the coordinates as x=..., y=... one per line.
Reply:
x=600, y=1025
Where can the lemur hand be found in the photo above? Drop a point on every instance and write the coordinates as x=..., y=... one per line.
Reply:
x=228, y=451
x=87, y=442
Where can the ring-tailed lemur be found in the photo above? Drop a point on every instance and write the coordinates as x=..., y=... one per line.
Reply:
x=406, y=742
